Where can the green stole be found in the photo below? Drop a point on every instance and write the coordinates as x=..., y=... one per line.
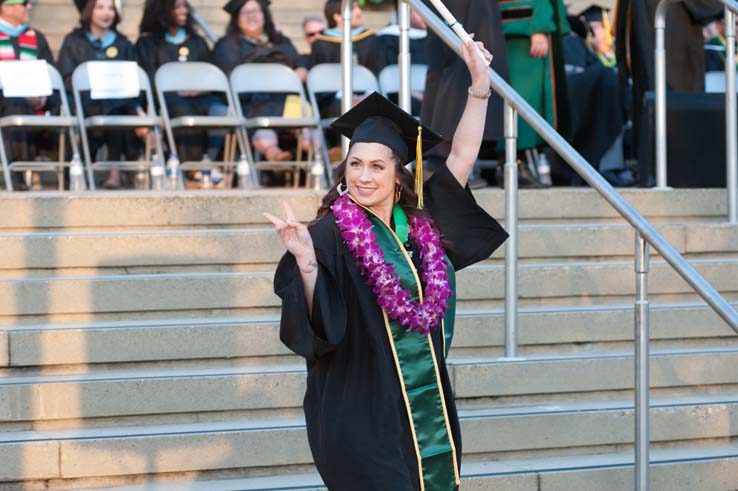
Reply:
x=417, y=366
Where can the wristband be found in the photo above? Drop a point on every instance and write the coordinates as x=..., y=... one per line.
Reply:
x=478, y=95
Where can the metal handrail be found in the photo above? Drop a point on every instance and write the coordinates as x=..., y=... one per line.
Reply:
x=646, y=234
x=591, y=176
x=731, y=114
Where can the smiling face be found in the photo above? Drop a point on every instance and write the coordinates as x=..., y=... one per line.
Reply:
x=251, y=19
x=103, y=14
x=371, y=176
x=180, y=13
x=17, y=14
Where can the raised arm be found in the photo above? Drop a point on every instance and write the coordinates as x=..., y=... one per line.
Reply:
x=469, y=132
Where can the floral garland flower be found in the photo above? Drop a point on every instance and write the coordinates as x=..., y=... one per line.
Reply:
x=397, y=302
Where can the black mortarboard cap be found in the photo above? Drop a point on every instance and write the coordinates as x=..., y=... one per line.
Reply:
x=594, y=13
x=376, y=119
x=234, y=6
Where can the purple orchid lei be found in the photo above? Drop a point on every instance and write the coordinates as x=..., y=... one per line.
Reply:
x=357, y=231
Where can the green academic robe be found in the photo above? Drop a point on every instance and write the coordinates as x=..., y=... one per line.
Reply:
x=540, y=81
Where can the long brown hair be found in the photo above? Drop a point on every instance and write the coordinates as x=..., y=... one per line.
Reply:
x=408, y=197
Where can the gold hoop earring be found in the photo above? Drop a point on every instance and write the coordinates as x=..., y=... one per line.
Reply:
x=398, y=192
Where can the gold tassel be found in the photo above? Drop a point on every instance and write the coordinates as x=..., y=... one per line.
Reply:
x=419, y=167
x=608, y=30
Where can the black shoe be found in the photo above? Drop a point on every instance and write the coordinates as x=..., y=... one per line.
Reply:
x=19, y=185
x=620, y=178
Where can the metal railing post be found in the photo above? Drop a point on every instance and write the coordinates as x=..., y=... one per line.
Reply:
x=511, y=224
x=642, y=406
x=660, y=87
x=403, y=57
x=731, y=118
x=347, y=62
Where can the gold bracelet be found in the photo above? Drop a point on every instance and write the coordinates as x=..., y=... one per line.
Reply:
x=478, y=95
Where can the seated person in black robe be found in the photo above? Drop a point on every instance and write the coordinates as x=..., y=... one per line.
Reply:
x=18, y=41
x=167, y=33
x=379, y=406
x=596, y=101
x=327, y=49
x=97, y=38
x=252, y=38
x=389, y=41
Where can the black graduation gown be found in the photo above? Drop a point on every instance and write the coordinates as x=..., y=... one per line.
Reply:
x=596, y=100
x=24, y=144
x=327, y=49
x=231, y=51
x=448, y=77
x=685, y=62
x=77, y=49
x=356, y=419
x=152, y=52
x=389, y=42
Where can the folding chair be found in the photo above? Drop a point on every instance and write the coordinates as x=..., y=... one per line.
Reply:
x=327, y=78
x=64, y=121
x=274, y=78
x=389, y=79
x=201, y=77
x=81, y=83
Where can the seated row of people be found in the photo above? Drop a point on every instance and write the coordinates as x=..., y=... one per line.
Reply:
x=167, y=33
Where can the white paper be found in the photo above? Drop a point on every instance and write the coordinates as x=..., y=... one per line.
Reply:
x=27, y=78
x=113, y=79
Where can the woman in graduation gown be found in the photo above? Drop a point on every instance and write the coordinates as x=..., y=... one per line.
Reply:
x=252, y=38
x=97, y=38
x=167, y=33
x=379, y=406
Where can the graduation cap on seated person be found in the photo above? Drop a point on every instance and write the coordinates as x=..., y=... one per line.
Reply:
x=595, y=13
x=376, y=119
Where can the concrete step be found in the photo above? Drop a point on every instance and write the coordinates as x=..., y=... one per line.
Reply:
x=703, y=468
x=182, y=250
x=602, y=329
x=124, y=393
x=120, y=210
x=479, y=286
x=508, y=435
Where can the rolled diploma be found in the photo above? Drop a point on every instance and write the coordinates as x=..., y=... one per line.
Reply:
x=456, y=26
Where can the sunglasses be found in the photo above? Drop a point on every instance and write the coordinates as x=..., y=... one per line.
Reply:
x=313, y=34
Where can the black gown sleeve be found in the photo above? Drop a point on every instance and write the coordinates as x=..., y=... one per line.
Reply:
x=321, y=334
x=472, y=235
x=44, y=53
x=227, y=54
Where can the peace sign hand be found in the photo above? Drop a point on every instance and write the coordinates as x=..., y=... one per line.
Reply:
x=294, y=235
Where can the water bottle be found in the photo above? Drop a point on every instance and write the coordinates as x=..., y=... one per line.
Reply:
x=243, y=171
x=173, y=173
x=544, y=170
x=76, y=174
x=317, y=172
x=206, y=180
x=140, y=181
x=157, y=173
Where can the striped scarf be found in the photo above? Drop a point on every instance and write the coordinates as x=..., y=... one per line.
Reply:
x=27, y=44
